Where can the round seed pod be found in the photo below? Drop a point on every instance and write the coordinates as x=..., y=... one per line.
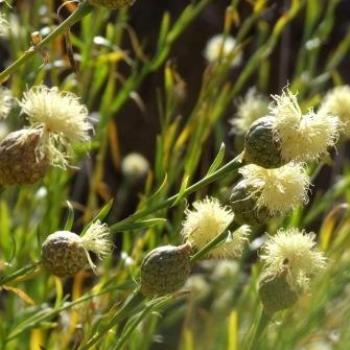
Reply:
x=243, y=204
x=261, y=145
x=20, y=162
x=112, y=4
x=63, y=254
x=276, y=294
x=165, y=269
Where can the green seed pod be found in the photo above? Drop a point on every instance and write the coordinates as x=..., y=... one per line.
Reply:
x=165, y=269
x=261, y=146
x=276, y=294
x=112, y=4
x=21, y=163
x=244, y=205
x=63, y=253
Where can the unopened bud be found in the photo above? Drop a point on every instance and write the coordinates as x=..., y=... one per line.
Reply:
x=21, y=163
x=165, y=270
x=276, y=294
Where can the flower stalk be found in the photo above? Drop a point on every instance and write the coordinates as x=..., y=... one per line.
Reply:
x=231, y=167
x=82, y=10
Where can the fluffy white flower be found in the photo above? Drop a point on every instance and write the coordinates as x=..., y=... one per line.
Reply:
x=61, y=117
x=5, y=102
x=207, y=220
x=279, y=190
x=97, y=239
x=134, y=166
x=252, y=107
x=302, y=137
x=337, y=102
x=220, y=46
x=293, y=251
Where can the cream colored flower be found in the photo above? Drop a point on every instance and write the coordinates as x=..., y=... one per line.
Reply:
x=97, y=239
x=207, y=220
x=61, y=117
x=287, y=135
x=293, y=251
x=5, y=102
x=221, y=46
x=252, y=107
x=134, y=166
x=302, y=137
x=278, y=190
x=337, y=102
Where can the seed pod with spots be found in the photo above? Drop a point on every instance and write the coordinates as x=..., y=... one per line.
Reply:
x=276, y=294
x=243, y=203
x=165, y=270
x=21, y=161
x=65, y=253
x=261, y=145
x=112, y=4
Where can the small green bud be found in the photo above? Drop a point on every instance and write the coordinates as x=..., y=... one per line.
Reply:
x=21, y=163
x=112, y=4
x=261, y=145
x=165, y=269
x=276, y=294
x=63, y=254
x=244, y=204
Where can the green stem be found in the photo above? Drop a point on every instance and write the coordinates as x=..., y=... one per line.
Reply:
x=83, y=9
x=259, y=330
x=231, y=167
x=19, y=273
x=131, y=303
x=210, y=245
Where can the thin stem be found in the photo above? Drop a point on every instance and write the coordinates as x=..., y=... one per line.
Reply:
x=131, y=303
x=211, y=244
x=231, y=167
x=24, y=270
x=259, y=330
x=83, y=9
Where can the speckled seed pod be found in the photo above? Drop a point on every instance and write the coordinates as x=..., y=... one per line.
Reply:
x=165, y=269
x=63, y=254
x=19, y=159
x=276, y=294
x=112, y=4
x=261, y=146
x=243, y=204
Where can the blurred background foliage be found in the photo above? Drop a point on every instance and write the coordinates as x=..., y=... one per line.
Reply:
x=149, y=89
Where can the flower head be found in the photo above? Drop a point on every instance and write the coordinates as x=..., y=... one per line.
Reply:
x=302, y=137
x=222, y=47
x=293, y=251
x=97, y=239
x=61, y=117
x=207, y=220
x=278, y=190
x=287, y=135
x=65, y=253
x=134, y=166
x=234, y=244
x=5, y=102
x=249, y=109
x=337, y=102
